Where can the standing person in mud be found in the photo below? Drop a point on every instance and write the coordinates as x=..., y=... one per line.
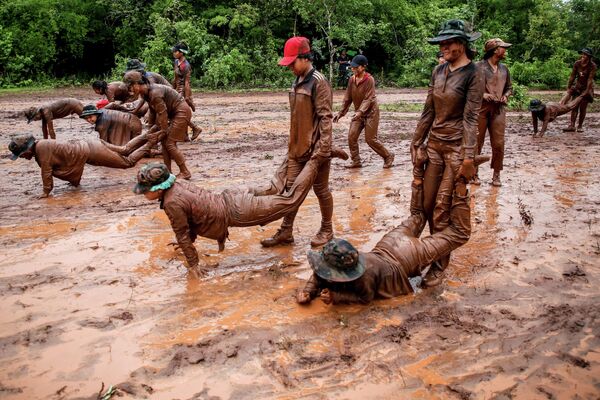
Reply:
x=172, y=116
x=65, y=160
x=492, y=116
x=311, y=100
x=194, y=211
x=182, y=71
x=342, y=274
x=115, y=127
x=449, y=124
x=581, y=83
x=361, y=92
x=549, y=112
x=51, y=111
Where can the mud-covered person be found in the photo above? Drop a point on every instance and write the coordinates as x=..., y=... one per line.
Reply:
x=548, y=112
x=182, y=76
x=171, y=118
x=449, y=126
x=581, y=83
x=51, y=111
x=311, y=100
x=361, y=92
x=492, y=116
x=113, y=126
x=342, y=274
x=64, y=160
x=119, y=98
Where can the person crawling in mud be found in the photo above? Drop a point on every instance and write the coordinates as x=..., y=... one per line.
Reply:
x=342, y=274
x=51, y=111
x=115, y=127
x=549, y=112
x=65, y=160
x=194, y=211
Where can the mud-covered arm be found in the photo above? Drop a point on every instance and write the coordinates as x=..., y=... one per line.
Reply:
x=590, y=82
x=323, y=99
x=544, y=124
x=534, y=121
x=187, y=85
x=508, y=88
x=471, y=113
x=363, y=291
x=312, y=286
x=572, y=77
x=158, y=105
x=369, y=99
x=417, y=219
x=179, y=222
x=47, y=124
x=347, y=100
x=44, y=158
x=427, y=116
x=349, y=297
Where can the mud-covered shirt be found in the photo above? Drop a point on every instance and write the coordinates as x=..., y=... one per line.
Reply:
x=362, y=95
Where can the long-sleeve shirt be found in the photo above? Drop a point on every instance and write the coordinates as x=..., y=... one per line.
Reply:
x=400, y=255
x=55, y=110
x=117, y=127
x=496, y=83
x=362, y=94
x=310, y=123
x=63, y=160
x=452, y=107
x=581, y=79
x=164, y=102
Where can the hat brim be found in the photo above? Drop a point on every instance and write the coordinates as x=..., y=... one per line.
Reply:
x=141, y=189
x=327, y=272
x=174, y=49
x=29, y=146
x=354, y=65
x=441, y=38
x=287, y=61
x=83, y=115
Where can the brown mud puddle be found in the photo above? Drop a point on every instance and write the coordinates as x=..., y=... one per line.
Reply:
x=92, y=291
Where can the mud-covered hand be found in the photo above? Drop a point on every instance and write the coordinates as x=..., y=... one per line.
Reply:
x=337, y=117
x=504, y=100
x=489, y=97
x=358, y=115
x=467, y=169
x=321, y=158
x=413, y=153
x=302, y=297
x=326, y=296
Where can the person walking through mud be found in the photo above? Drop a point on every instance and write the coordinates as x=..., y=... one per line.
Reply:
x=492, y=116
x=182, y=71
x=581, y=83
x=342, y=274
x=311, y=100
x=361, y=93
x=449, y=124
x=171, y=115
x=119, y=98
x=115, y=127
x=549, y=112
x=194, y=211
x=51, y=111
x=65, y=160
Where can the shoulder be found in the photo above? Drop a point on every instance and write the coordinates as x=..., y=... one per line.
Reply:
x=319, y=80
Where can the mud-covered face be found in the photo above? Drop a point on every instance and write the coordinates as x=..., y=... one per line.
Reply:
x=358, y=70
x=585, y=57
x=177, y=54
x=452, y=49
x=300, y=66
x=153, y=195
x=98, y=91
x=27, y=154
x=501, y=53
x=91, y=118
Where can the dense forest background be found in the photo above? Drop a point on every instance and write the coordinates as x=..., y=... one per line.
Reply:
x=236, y=43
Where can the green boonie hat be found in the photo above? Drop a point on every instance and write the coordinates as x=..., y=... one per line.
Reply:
x=20, y=144
x=339, y=261
x=133, y=64
x=151, y=175
x=536, y=105
x=88, y=110
x=455, y=28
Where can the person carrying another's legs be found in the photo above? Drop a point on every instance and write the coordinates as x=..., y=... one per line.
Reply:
x=548, y=112
x=581, y=83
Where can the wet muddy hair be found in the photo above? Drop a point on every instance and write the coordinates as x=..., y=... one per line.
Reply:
x=100, y=85
x=308, y=56
x=488, y=54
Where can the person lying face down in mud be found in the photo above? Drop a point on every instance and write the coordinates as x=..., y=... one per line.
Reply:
x=194, y=211
x=549, y=112
x=115, y=127
x=51, y=111
x=65, y=160
x=342, y=274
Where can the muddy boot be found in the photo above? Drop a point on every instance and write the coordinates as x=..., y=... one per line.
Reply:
x=282, y=236
x=570, y=128
x=496, y=179
x=580, y=129
x=196, y=131
x=434, y=275
x=184, y=173
x=354, y=164
x=324, y=235
x=337, y=152
x=388, y=162
x=475, y=180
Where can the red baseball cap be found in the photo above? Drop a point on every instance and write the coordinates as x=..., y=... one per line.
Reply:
x=294, y=47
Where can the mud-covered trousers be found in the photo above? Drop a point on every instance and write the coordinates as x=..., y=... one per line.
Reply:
x=370, y=123
x=445, y=159
x=492, y=118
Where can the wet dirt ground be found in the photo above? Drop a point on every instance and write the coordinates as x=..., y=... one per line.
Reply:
x=93, y=295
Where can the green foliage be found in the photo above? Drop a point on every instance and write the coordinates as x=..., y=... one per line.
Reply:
x=519, y=99
x=236, y=43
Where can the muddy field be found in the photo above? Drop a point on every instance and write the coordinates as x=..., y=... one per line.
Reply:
x=93, y=294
